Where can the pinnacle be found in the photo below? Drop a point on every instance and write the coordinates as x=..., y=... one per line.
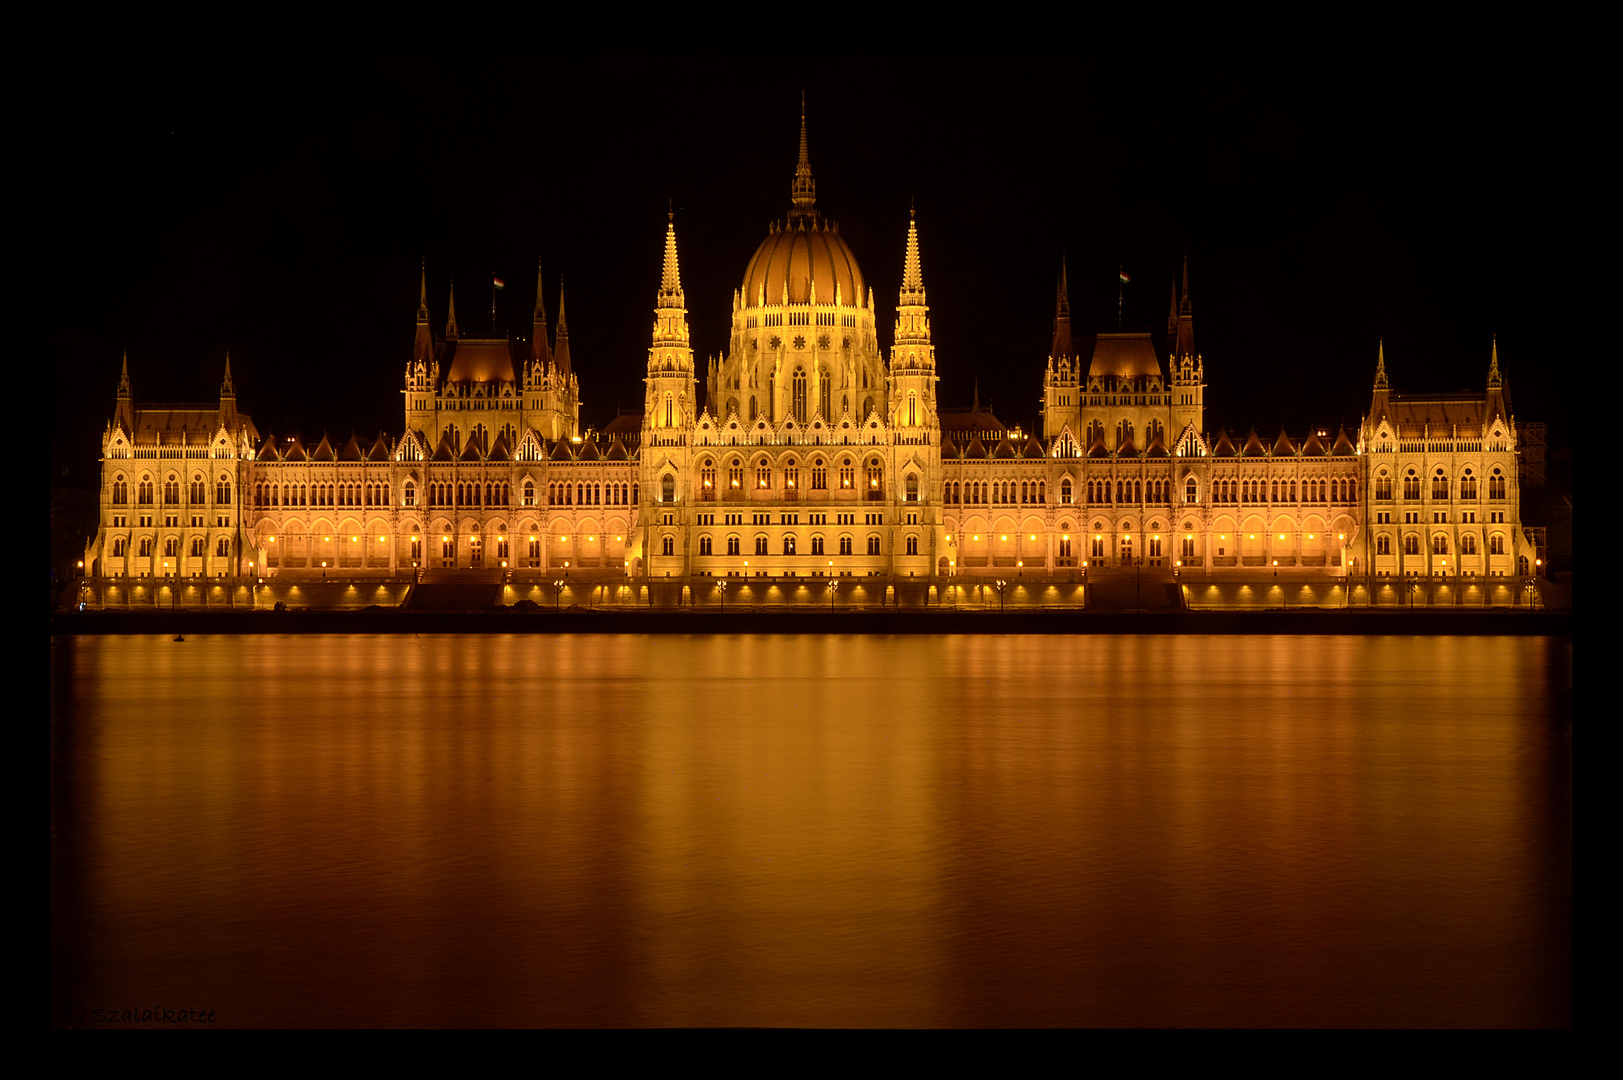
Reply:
x=670, y=281
x=912, y=276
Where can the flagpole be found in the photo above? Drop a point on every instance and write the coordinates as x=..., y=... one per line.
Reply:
x=1121, y=280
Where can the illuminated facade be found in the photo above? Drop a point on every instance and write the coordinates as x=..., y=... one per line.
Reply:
x=812, y=454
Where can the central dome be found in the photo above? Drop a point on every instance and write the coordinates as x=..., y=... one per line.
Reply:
x=804, y=251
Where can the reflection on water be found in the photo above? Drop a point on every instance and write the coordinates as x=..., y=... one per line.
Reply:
x=824, y=831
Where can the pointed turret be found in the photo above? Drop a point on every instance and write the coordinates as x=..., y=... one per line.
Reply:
x=1498, y=407
x=1381, y=402
x=560, y=354
x=422, y=348
x=540, y=353
x=803, y=192
x=1172, y=323
x=450, y=322
x=227, y=390
x=124, y=413
x=912, y=358
x=1061, y=343
x=670, y=278
x=1186, y=318
x=670, y=391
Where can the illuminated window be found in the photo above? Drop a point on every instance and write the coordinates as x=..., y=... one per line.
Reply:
x=788, y=545
x=1496, y=485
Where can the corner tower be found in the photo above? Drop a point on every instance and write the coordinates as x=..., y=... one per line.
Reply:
x=668, y=402
x=912, y=358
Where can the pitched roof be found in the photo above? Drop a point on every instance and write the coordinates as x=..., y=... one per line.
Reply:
x=351, y=451
x=1283, y=446
x=1124, y=356
x=1414, y=413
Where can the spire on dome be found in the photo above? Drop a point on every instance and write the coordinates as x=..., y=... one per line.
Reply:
x=1495, y=380
x=422, y=294
x=803, y=193
x=124, y=377
x=450, y=322
x=1380, y=368
x=1061, y=345
x=227, y=390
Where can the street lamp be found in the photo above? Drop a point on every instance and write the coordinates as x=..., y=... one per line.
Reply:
x=721, y=591
x=558, y=595
x=1000, y=586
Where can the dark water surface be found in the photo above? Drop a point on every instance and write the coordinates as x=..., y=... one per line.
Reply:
x=813, y=831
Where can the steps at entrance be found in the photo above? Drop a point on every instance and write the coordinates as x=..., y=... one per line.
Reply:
x=456, y=590
x=1124, y=590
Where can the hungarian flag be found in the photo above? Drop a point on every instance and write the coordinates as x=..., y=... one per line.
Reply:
x=1124, y=278
x=497, y=283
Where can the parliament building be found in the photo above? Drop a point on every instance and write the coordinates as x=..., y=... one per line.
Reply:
x=810, y=451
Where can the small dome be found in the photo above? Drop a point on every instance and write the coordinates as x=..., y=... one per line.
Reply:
x=804, y=250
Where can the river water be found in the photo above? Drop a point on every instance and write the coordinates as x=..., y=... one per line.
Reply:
x=790, y=831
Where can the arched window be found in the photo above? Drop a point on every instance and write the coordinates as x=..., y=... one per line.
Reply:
x=1411, y=544
x=1468, y=544
x=667, y=545
x=912, y=545
x=1439, y=485
x=1383, y=545
x=1496, y=485
x=667, y=488
x=1496, y=544
x=788, y=545
x=1411, y=485
x=797, y=391
x=1467, y=486
x=1439, y=544
x=1189, y=491
x=912, y=488
x=1065, y=491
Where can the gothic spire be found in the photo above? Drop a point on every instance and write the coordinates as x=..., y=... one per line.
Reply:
x=450, y=323
x=912, y=311
x=560, y=354
x=538, y=331
x=1495, y=380
x=124, y=377
x=1186, y=316
x=1380, y=368
x=423, y=346
x=803, y=192
x=912, y=277
x=670, y=278
x=227, y=390
x=1061, y=345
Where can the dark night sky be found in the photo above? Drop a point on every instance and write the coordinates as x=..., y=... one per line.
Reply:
x=279, y=208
